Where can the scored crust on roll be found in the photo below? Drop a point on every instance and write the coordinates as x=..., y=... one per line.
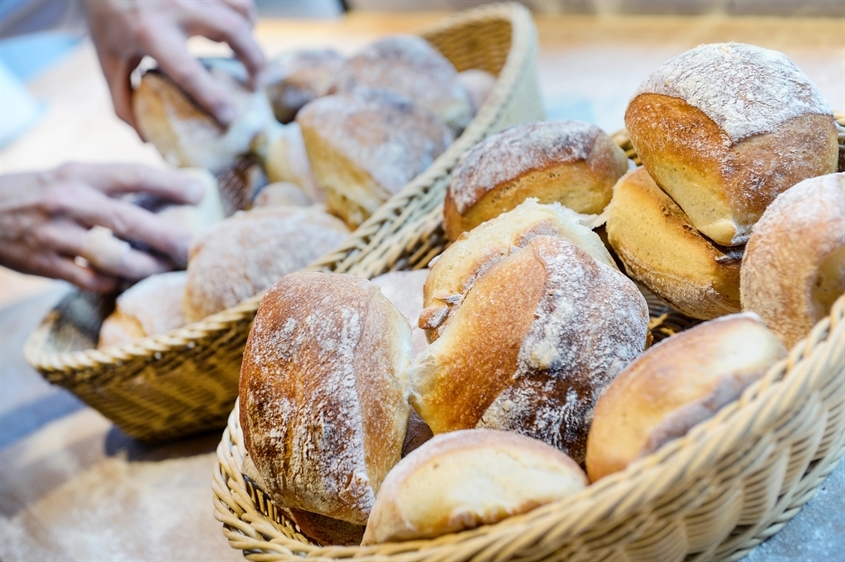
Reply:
x=571, y=162
x=464, y=479
x=410, y=66
x=296, y=78
x=794, y=265
x=676, y=384
x=661, y=249
x=535, y=340
x=725, y=128
x=323, y=393
x=365, y=145
x=456, y=269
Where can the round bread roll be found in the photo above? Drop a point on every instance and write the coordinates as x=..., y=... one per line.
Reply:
x=296, y=78
x=281, y=194
x=535, y=340
x=365, y=145
x=405, y=290
x=410, y=66
x=285, y=159
x=662, y=250
x=794, y=265
x=572, y=162
x=458, y=267
x=681, y=381
x=151, y=307
x=478, y=84
x=248, y=252
x=323, y=393
x=725, y=128
x=464, y=479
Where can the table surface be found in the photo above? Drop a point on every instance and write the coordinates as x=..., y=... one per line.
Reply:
x=73, y=487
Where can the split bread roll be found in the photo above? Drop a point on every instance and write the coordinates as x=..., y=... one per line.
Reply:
x=296, y=78
x=365, y=145
x=410, y=66
x=323, y=393
x=662, y=250
x=725, y=128
x=535, y=340
x=571, y=162
x=794, y=265
x=464, y=479
x=676, y=384
x=151, y=307
x=248, y=252
x=461, y=264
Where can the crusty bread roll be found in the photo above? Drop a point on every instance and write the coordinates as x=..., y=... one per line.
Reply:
x=365, y=145
x=725, y=128
x=151, y=307
x=282, y=194
x=248, y=252
x=405, y=290
x=410, y=66
x=323, y=393
x=794, y=265
x=572, y=162
x=676, y=384
x=535, y=340
x=285, y=159
x=478, y=84
x=458, y=267
x=296, y=78
x=662, y=250
x=464, y=479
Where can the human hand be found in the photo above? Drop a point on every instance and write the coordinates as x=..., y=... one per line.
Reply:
x=48, y=219
x=125, y=30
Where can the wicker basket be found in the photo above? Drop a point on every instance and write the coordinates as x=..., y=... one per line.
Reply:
x=186, y=381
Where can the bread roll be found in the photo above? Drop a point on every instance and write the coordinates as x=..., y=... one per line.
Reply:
x=464, y=479
x=281, y=194
x=794, y=265
x=662, y=249
x=725, y=128
x=405, y=290
x=151, y=307
x=365, y=145
x=535, y=340
x=458, y=267
x=285, y=159
x=676, y=384
x=478, y=85
x=572, y=162
x=410, y=66
x=323, y=393
x=296, y=78
x=245, y=254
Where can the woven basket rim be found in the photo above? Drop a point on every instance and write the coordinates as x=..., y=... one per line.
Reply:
x=184, y=337
x=619, y=494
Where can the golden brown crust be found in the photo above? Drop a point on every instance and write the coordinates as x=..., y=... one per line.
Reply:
x=294, y=79
x=663, y=250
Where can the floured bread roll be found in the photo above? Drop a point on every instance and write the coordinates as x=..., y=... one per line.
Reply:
x=323, y=393
x=676, y=384
x=410, y=66
x=285, y=159
x=794, y=266
x=571, y=162
x=281, y=194
x=296, y=78
x=464, y=479
x=662, y=249
x=535, y=340
x=405, y=290
x=458, y=267
x=248, y=252
x=725, y=128
x=478, y=85
x=151, y=307
x=365, y=145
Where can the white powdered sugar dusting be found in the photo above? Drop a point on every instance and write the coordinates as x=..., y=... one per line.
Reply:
x=746, y=90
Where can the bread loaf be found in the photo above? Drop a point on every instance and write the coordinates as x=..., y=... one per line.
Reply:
x=794, y=265
x=478, y=85
x=405, y=290
x=411, y=67
x=571, y=162
x=296, y=78
x=676, y=384
x=281, y=194
x=725, y=128
x=365, y=145
x=662, y=250
x=248, y=252
x=323, y=393
x=458, y=267
x=464, y=479
x=285, y=159
x=535, y=340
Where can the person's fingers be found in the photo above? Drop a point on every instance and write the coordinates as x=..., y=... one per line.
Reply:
x=116, y=179
x=51, y=264
x=112, y=256
x=118, y=74
x=244, y=7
